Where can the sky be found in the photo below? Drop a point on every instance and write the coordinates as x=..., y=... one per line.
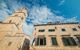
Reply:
x=42, y=11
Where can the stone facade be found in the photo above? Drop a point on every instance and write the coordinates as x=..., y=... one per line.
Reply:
x=58, y=36
x=11, y=33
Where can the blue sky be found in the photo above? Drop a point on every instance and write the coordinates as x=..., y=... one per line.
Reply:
x=68, y=9
x=42, y=11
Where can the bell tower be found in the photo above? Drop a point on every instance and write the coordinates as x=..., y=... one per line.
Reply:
x=12, y=36
x=18, y=18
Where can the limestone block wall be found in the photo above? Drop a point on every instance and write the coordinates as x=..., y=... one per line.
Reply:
x=11, y=43
x=58, y=33
x=11, y=34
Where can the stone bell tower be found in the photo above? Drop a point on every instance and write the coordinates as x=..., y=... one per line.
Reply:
x=18, y=18
x=11, y=33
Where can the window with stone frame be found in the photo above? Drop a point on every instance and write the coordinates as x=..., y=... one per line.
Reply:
x=41, y=41
x=54, y=41
x=63, y=29
x=74, y=29
x=51, y=30
x=68, y=41
x=41, y=30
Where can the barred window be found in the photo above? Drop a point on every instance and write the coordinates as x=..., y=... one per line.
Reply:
x=41, y=41
x=54, y=41
x=68, y=41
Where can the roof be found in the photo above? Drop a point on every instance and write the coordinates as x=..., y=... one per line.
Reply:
x=56, y=23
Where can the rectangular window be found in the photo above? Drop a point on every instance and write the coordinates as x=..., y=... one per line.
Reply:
x=63, y=30
x=54, y=41
x=74, y=29
x=42, y=30
x=68, y=41
x=41, y=41
x=51, y=30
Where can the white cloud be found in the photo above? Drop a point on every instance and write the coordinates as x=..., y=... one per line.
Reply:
x=8, y=7
x=43, y=14
x=3, y=11
x=27, y=29
x=3, y=15
x=73, y=19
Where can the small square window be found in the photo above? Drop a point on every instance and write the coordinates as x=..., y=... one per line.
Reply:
x=63, y=30
x=74, y=29
x=51, y=30
x=42, y=30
